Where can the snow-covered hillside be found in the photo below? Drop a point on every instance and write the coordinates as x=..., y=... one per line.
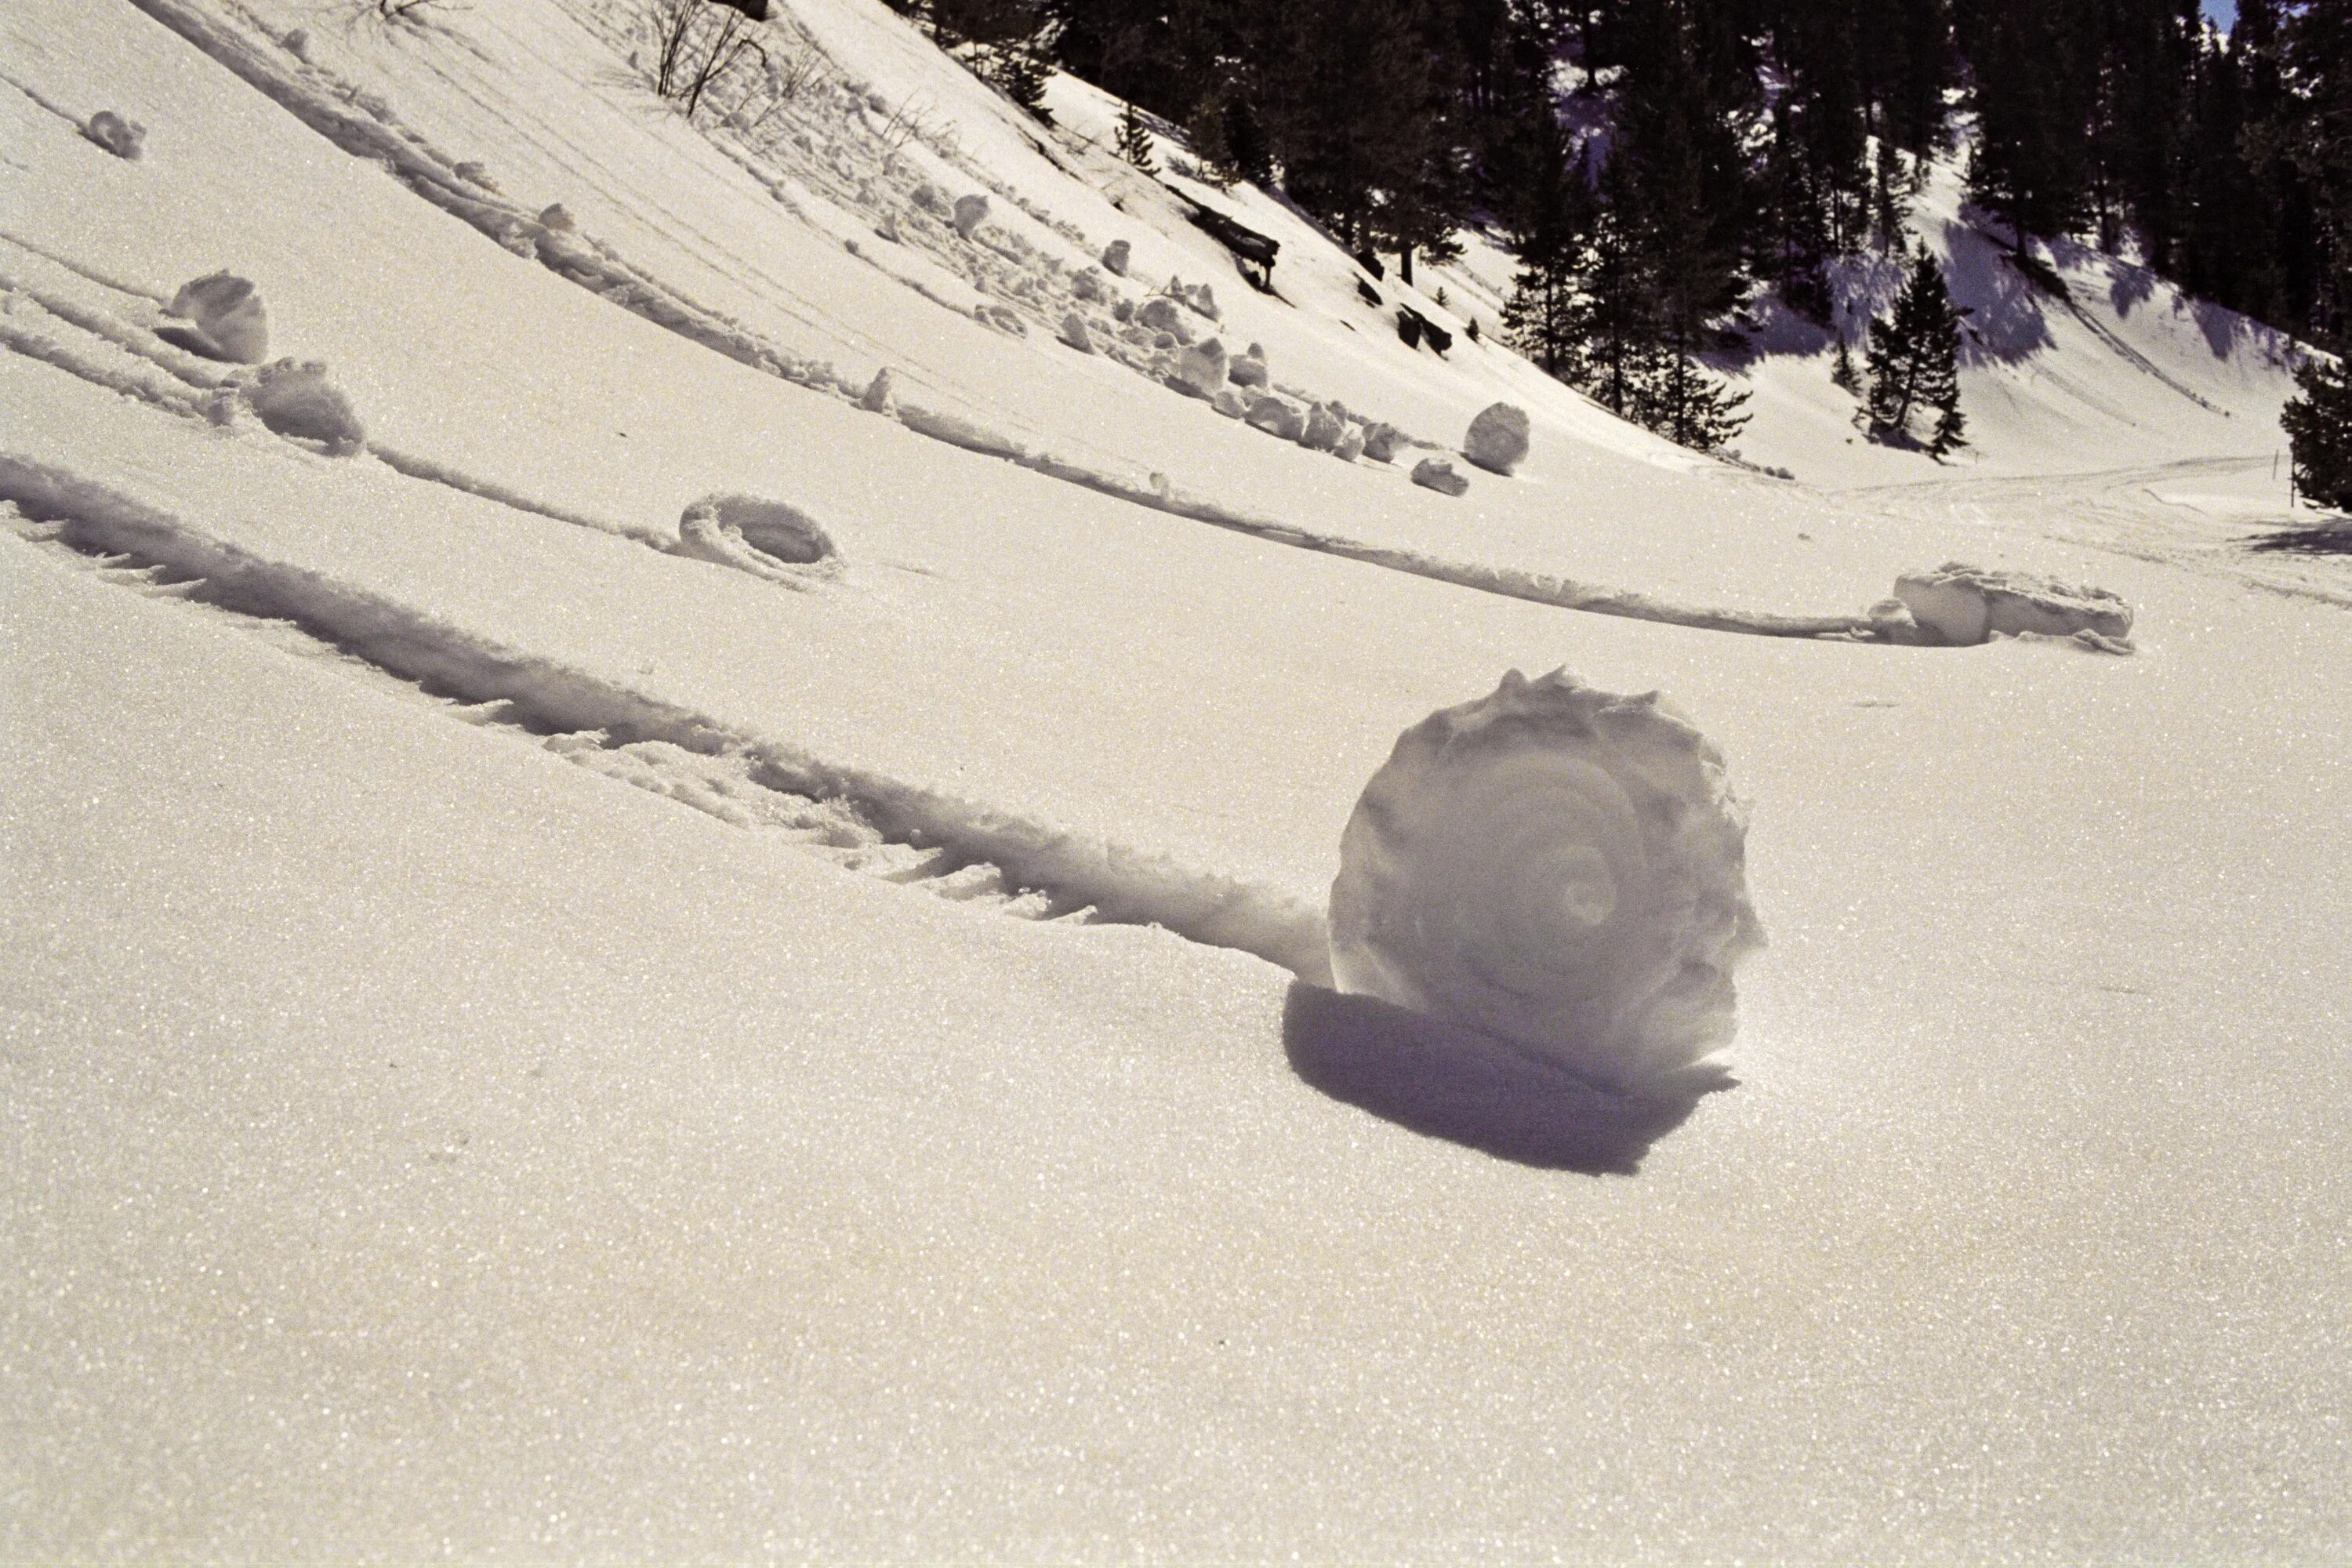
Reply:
x=914, y=1120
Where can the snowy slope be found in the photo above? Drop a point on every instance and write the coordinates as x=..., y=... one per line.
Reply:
x=2125, y=372
x=727, y=1199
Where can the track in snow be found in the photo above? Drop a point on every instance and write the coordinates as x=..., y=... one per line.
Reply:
x=865, y=821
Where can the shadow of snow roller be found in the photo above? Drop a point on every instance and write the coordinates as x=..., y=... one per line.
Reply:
x=768, y=538
x=1560, y=870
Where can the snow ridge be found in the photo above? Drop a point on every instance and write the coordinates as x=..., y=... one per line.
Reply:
x=940, y=835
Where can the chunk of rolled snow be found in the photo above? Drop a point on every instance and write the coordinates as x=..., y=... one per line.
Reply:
x=558, y=219
x=298, y=44
x=777, y=529
x=932, y=199
x=1114, y=258
x=1249, y=370
x=1324, y=428
x=126, y=139
x=1203, y=302
x=1437, y=474
x=1230, y=404
x=1160, y=315
x=1558, y=866
x=474, y=174
x=227, y=314
x=1382, y=441
x=1088, y=285
x=886, y=225
x=298, y=400
x=1498, y=441
x=1351, y=444
x=1962, y=605
x=969, y=211
x=1201, y=369
x=1075, y=333
x=1276, y=415
x=878, y=393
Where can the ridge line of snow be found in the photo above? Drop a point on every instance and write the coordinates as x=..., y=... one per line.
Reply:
x=1125, y=886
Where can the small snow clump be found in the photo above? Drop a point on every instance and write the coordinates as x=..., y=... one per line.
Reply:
x=1160, y=315
x=878, y=393
x=1324, y=428
x=1382, y=441
x=1498, y=441
x=1229, y=403
x=969, y=211
x=1114, y=258
x=1437, y=474
x=227, y=314
x=1351, y=444
x=1075, y=333
x=1201, y=369
x=298, y=400
x=1249, y=370
x=558, y=219
x=1556, y=867
x=126, y=139
x=1276, y=415
x=777, y=529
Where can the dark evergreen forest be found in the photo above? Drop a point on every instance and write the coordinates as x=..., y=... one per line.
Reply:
x=1656, y=160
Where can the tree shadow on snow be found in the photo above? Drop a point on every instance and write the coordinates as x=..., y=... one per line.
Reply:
x=2006, y=324
x=1455, y=1084
x=2319, y=539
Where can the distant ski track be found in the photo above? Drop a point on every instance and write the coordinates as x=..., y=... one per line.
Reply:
x=602, y=271
x=854, y=816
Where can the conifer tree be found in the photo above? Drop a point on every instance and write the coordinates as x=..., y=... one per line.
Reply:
x=1842, y=375
x=2031, y=162
x=2318, y=427
x=1135, y=140
x=1915, y=362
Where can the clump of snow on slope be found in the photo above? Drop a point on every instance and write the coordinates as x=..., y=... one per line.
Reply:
x=1559, y=867
x=299, y=401
x=1497, y=440
x=1437, y=474
x=225, y=318
x=126, y=139
x=1962, y=605
x=754, y=534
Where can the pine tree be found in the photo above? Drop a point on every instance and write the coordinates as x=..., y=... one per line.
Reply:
x=1915, y=362
x=1134, y=141
x=2030, y=163
x=2318, y=427
x=1842, y=372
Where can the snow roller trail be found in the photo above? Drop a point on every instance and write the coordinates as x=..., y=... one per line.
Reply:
x=913, y=833
x=602, y=271
x=125, y=357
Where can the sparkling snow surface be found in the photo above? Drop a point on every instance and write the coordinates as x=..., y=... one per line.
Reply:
x=418, y=1144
